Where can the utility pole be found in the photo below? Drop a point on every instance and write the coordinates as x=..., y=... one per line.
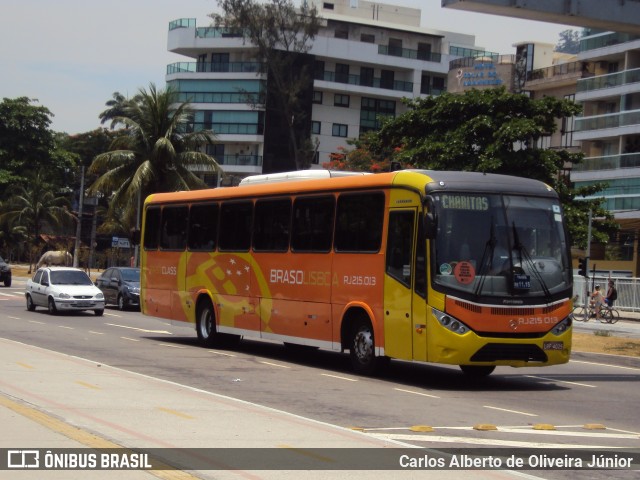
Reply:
x=76, y=249
x=586, y=280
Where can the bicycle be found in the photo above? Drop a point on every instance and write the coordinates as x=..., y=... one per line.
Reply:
x=610, y=314
x=582, y=313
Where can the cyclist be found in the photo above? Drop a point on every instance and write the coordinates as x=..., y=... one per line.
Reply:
x=597, y=300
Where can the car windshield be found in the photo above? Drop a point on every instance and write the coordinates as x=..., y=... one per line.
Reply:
x=131, y=274
x=70, y=277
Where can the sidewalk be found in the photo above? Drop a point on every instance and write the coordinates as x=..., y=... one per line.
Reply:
x=50, y=400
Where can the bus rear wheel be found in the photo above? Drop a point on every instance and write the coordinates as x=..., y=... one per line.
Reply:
x=205, y=324
x=477, y=371
x=362, y=349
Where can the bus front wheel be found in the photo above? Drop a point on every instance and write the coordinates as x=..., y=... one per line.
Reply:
x=205, y=324
x=362, y=349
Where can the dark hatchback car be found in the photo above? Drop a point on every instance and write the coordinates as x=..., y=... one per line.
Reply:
x=121, y=286
x=5, y=273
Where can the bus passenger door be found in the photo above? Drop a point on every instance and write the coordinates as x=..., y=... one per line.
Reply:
x=398, y=292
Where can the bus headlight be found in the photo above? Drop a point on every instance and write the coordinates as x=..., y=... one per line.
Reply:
x=562, y=327
x=450, y=323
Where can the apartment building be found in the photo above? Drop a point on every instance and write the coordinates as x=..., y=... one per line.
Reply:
x=604, y=77
x=366, y=58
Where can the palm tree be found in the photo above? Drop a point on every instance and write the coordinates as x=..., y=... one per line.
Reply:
x=116, y=109
x=35, y=207
x=153, y=154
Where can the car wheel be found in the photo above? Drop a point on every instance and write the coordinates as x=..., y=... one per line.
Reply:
x=99, y=312
x=121, y=304
x=7, y=282
x=30, y=305
x=52, y=306
x=206, y=324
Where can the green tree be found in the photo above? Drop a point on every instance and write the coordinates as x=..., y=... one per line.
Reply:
x=154, y=154
x=569, y=42
x=492, y=131
x=25, y=138
x=37, y=208
x=116, y=109
x=282, y=34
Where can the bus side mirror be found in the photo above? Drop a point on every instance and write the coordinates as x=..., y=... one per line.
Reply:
x=134, y=235
x=430, y=225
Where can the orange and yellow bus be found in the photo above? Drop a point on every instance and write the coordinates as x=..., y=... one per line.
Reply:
x=455, y=268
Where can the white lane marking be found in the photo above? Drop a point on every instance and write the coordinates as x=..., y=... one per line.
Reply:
x=510, y=411
x=34, y=321
x=339, y=378
x=64, y=326
x=275, y=365
x=130, y=339
x=169, y=345
x=96, y=333
x=428, y=437
x=138, y=329
x=561, y=381
x=416, y=393
x=605, y=365
x=221, y=353
x=14, y=318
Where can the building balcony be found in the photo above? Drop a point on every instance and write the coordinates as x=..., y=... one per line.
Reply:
x=609, y=120
x=554, y=76
x=607, y=40
x=608, y=162
x=409, y=53
x=359, y=80
x=611, y=80
x=208, y=67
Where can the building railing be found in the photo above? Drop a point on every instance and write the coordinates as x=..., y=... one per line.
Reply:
x=555, y=70
x=225, y=128
x=215, y=67
x=235, y=160
x=609, y=80
x=364, y=81
x=609, y=120
x=614, y=38
x=608, y=162
x=217, y=97
x=409, y=53
x=206, y=32
x=468, y=62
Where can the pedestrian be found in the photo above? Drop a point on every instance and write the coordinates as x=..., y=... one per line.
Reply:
x=612, y=294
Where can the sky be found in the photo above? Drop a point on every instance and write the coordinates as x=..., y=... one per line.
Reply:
x=72, y=55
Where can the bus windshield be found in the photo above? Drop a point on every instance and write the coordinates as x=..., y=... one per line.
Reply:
x=499, y=245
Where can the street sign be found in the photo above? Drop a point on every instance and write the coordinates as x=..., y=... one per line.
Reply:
x=117, y=242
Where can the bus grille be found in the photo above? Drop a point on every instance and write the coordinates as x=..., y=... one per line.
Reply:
x=492, y=352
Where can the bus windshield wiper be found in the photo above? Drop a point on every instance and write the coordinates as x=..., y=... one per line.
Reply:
x=486, y=261
x=524, y=254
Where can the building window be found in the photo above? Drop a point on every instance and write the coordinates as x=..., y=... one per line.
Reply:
x=317, y=97
x=366, y=76
x=315, y=127
x=341, y=32
x=318, y=70
x=367, y=38
x=387, y=78
x=339, y=130
x=372, y=111
x=340, y=100
x=568, y=127
x=342, y=73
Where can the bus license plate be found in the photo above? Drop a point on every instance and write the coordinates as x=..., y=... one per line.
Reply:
x=553, y=345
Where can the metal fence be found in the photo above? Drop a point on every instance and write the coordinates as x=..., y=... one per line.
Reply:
x=628, y=290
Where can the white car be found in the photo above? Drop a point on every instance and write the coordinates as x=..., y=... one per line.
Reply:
x=62, y=289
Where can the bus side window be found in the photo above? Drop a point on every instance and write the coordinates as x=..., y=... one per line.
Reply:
x=312, y=229
x=203, y=227
x=359, y=222
x=173, y=234
x=152, y=228
x=235, y=226
x=271, y=225
x=400, y=246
